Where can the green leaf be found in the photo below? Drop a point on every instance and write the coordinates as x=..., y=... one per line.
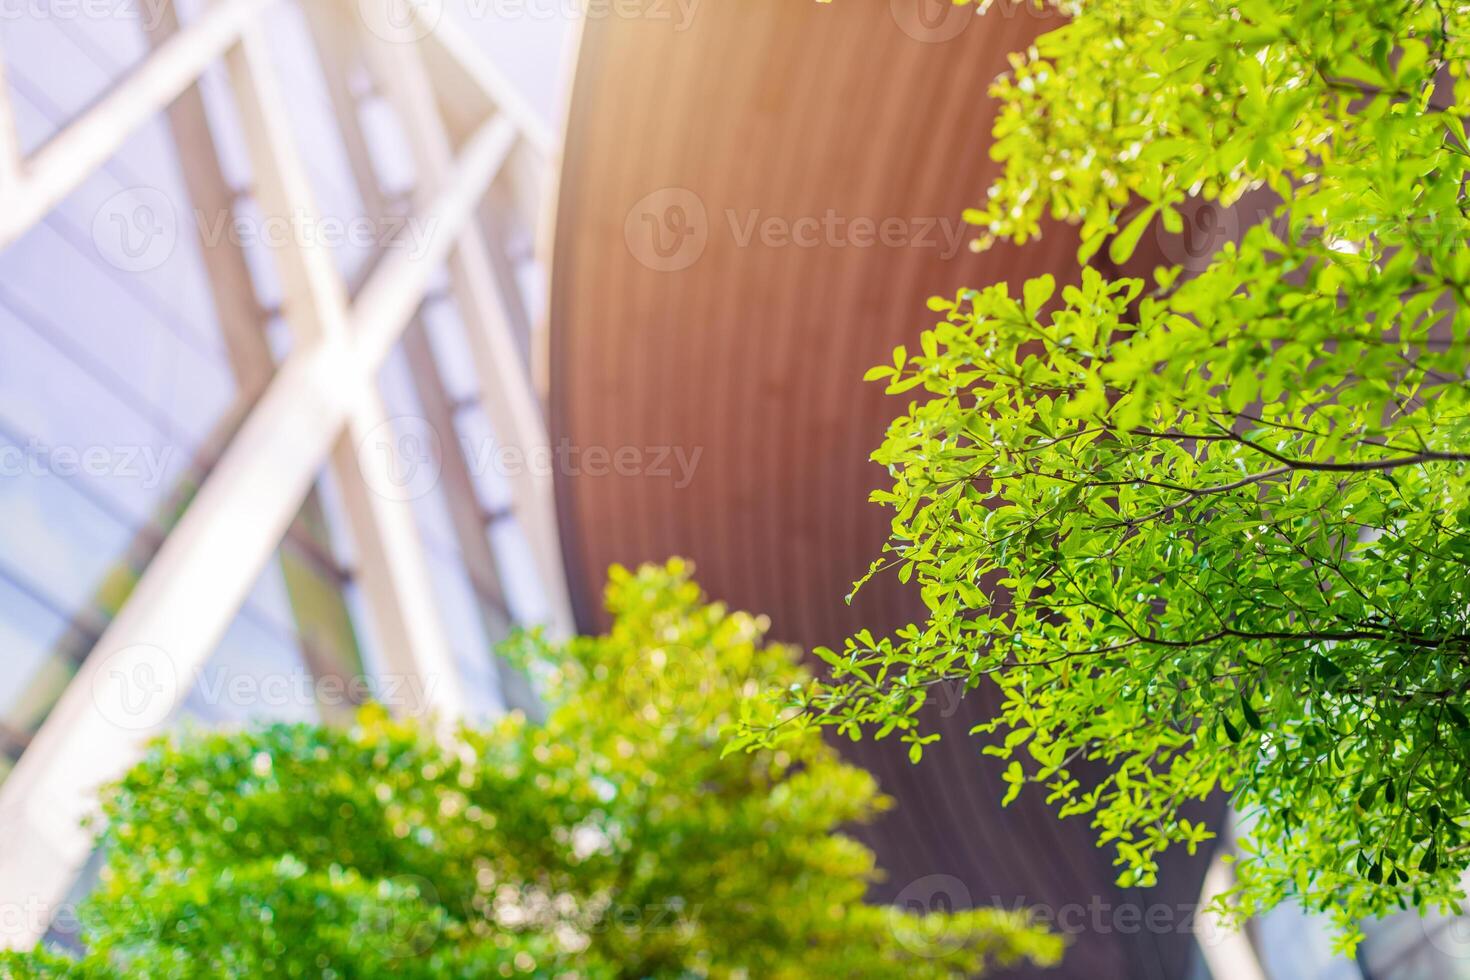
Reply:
x=1121, y=248
x=1251, y=718
x=1242, y=391
x=1037, y=291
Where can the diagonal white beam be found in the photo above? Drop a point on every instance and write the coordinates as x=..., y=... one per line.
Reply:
x=469, y=86
x=146, y=661
x=69, y=157
x=327, y=640
x=339, y=49
x=505, y=387
x=392, y=571
x=1226, y=948
x=470, y=89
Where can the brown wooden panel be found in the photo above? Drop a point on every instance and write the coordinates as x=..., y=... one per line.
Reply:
x=751, y=353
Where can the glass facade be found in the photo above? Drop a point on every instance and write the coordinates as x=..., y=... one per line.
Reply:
x=121, y=382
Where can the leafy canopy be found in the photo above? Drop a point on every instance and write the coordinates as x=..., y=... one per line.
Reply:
x=612, y=841
x=1213, y=529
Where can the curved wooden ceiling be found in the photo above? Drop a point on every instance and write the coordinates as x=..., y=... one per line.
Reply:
x=750, y=352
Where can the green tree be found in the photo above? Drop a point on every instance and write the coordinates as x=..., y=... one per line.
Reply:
x=612, y=841
x=1211, y=529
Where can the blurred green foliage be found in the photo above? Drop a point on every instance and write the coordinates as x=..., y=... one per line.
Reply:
x=1210, y=527
x=612, y=841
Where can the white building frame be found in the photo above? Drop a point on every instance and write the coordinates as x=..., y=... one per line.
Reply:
x=317, y=409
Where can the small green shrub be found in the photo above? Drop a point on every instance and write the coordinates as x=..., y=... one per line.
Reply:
x=614, y=840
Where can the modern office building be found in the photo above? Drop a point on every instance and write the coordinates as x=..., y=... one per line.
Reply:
x=336, y=339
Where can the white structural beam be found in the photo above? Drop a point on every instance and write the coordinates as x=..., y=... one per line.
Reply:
x=1225, y=947
x=69, y=157
x=505, y=387
x=392, y=570
x=469, y=86
x=339, y=48
x=146, y=661
x=469, y=89
x=326, y=637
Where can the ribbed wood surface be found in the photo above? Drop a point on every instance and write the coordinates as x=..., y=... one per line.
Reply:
x=753, y=355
